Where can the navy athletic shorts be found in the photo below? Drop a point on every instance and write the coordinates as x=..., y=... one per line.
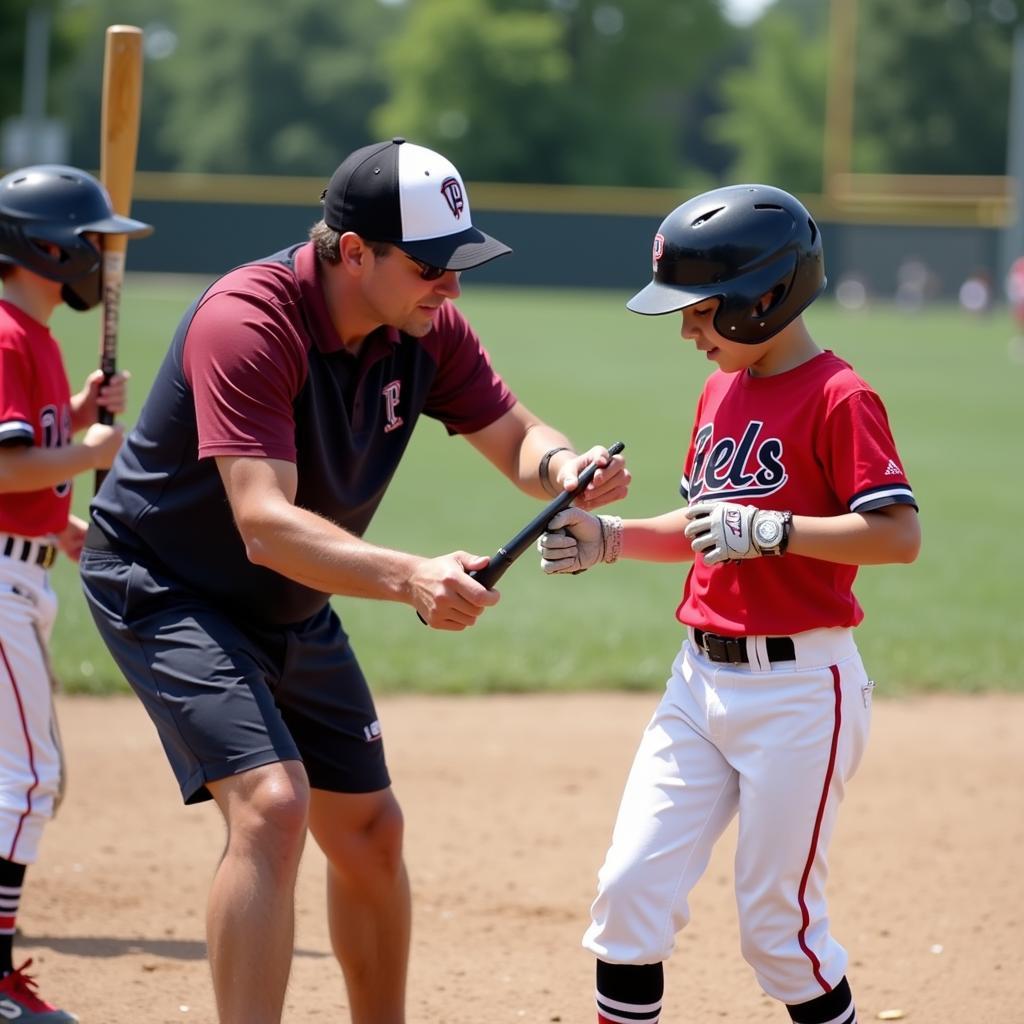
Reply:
x=227, y=696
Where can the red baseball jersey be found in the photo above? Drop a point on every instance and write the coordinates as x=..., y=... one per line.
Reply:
x=35, y=409
x=814, y=440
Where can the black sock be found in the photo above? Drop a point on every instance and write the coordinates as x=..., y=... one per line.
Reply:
x=11, y=878
x=835, y=1007
x=629, y=991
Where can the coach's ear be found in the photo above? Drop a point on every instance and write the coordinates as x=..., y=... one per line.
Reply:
x=355, y=253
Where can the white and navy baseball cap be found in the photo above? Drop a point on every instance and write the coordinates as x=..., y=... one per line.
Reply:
x=412, y=197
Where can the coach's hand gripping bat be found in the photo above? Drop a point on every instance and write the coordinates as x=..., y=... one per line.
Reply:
x=503, y=558
x=122, y=102
x=525, y=538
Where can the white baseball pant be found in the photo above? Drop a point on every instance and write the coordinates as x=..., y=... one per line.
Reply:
x=774, y=744
x=30, y=760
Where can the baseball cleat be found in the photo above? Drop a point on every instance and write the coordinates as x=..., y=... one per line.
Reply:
x=20, y=1002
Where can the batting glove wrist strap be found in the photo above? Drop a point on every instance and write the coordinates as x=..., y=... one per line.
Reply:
x=611, y=538
x=722, y=531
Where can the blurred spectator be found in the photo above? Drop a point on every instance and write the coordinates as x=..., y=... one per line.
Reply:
x=851, y=291
x=1015, y=297
x=976, y=292
x=1015, y=292
x=915, y=284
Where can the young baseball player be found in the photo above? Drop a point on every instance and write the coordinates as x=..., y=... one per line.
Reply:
x=50, y=221
x=792, y=480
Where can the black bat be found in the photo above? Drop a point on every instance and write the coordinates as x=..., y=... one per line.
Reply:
x=503, y=558
x=511, y=550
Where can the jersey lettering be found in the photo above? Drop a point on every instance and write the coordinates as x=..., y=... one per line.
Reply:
x=55, y=431
x=726, y=469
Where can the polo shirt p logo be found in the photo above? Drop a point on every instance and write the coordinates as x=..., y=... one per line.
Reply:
x=391, y=393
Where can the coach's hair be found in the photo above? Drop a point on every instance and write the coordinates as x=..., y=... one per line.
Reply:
x=325, y=243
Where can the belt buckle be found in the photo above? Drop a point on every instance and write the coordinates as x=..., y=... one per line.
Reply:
x=728, y=649
x=49, y=556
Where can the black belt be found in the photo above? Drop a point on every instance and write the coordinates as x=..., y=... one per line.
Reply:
x=733, y=649
x=27, y=550
x=96, y=539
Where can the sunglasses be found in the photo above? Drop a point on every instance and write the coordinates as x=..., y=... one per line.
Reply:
x=427, y=270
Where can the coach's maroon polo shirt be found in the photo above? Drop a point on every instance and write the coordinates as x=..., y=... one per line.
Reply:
x=256, y=369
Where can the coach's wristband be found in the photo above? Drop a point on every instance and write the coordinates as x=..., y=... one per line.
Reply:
x=543, y=469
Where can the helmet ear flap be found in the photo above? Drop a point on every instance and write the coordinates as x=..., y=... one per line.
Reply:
x=740, y=315
x=770, y=300
x=84, y=293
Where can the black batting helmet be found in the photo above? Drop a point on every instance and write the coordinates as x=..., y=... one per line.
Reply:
x=50, y=204
x=737, y=244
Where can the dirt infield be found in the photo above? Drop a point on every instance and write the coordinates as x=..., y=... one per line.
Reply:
x=509, y=804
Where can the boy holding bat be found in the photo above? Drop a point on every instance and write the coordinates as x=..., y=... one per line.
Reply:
x=237, y=507
x=51, y=220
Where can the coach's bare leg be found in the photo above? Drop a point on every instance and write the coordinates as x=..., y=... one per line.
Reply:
x=250, y=917
x=367, y=898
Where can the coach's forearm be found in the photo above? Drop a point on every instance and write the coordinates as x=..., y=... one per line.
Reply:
x=537, y=443
x=33, y=469
x=313, y=551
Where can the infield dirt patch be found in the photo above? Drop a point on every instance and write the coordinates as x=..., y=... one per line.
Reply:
x=509, y=804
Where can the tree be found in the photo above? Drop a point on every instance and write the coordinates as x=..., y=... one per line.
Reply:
x=775, y=105
x=932, y=88
x=62, y=46
x=550, y=90
x=258, y=87
x=930, y=97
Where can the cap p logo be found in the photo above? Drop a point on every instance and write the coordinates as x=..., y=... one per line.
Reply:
x=658, y=250
x=451, y=189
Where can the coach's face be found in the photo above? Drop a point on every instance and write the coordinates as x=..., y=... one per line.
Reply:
x=397, y=290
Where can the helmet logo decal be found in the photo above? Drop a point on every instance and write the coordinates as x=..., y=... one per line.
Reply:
x=658, y=250
x=727, y=469
x=451, y=189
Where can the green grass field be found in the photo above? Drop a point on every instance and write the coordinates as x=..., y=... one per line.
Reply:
x=951, y=621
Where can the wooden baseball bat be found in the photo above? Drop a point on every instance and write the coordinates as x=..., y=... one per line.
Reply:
x=119, y=141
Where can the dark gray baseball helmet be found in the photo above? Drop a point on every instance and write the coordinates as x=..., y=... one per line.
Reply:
x=737, y=244
x=51, y=204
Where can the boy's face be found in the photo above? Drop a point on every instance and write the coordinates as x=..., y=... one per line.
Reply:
x=699, y=327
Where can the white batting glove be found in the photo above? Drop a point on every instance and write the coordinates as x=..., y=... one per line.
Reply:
x=575, y=540
x=723, y=531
